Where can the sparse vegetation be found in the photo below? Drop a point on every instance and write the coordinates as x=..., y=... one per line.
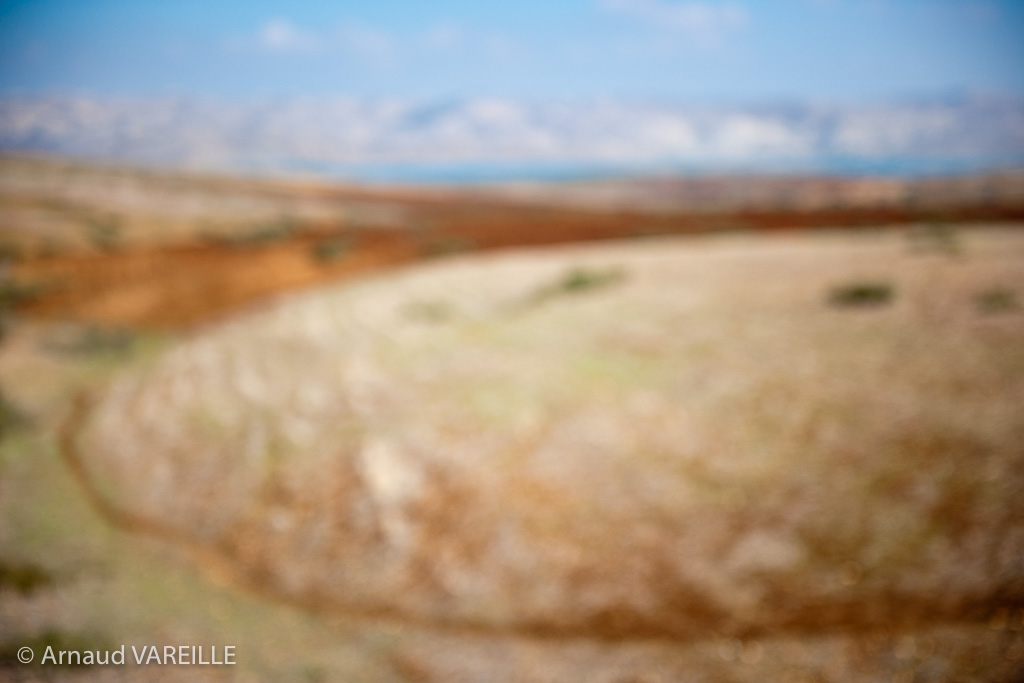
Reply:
x=331, y=249
x=861, y=294
x=11, y=418
x=273, y=231
x=824, y=496
x=996, y=300
x=261, y=235
x=23, y=578
x=580, y=279
x=90, y=340
x=13, y=293
x=709, y=454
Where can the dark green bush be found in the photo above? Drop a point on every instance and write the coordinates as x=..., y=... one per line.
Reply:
x=11, y=419
x=14, y=293
x=579, y=280
x=996, y=301
x=23, y=578
x=861, y=294
x=326, y=251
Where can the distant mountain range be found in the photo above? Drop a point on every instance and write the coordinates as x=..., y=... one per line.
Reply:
x=481, y=138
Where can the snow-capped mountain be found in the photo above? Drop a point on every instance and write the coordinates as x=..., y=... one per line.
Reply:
x=319, y=133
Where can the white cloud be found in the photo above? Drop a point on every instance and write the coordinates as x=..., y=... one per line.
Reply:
x=443, y=36
x=701, y=22
x=373, y=45
x=280, y=35
x=368, y=42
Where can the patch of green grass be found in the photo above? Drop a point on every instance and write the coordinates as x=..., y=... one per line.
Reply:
x=861, y=294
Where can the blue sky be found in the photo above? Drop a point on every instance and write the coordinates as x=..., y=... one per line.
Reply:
x=733, y=50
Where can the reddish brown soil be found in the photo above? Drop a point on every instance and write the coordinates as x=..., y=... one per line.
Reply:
x=182, y=285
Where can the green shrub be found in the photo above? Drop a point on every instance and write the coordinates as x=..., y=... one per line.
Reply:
x=326, y=251
x=14, y=293
x=23, y=578
x=11, y=419
x=861, y=294
x=579, y=280
x=996, y=301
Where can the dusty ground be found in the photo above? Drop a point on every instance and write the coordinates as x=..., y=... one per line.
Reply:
x=731, y=458
x=681, y=441
x=159, y=250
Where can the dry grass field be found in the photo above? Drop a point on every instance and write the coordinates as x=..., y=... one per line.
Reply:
x=794, y=455
x=668, y=440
